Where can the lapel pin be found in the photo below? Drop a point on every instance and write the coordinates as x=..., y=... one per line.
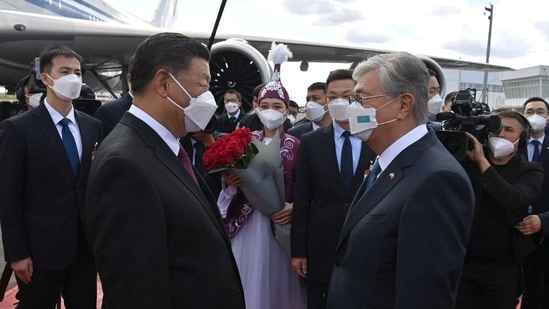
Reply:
x=392, y=176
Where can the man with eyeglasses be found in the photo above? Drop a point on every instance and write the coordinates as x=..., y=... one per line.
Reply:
x=226, y=123
x=536, y=224
x=330, y=168
x=403, y=241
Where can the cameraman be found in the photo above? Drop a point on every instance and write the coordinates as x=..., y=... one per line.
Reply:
x=505, y=183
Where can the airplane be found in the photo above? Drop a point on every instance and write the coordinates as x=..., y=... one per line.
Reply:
x=106, y=37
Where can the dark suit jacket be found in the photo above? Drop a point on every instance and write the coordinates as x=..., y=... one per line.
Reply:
x=403, y=241
x=41, y=199
x=224, y=125
x=320, y=201
x=301, y=129
x=158, y=236
x=110, y=113
x=541, y=203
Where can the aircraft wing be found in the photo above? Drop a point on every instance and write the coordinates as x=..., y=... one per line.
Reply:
x=106, y=47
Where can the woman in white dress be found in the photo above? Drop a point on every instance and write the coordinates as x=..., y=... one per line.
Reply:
x=267, y=277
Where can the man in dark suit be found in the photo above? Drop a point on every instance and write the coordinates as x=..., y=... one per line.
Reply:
x=154, y=225
x=316, y=111
x=535, y=267
x=320, y=201
x=45, y=156
x=111, y=112
x=403, y=242
x=226, y=123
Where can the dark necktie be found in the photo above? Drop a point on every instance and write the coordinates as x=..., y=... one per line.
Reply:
x=372, y=176
x=184, y=158
x=232, y=119
x=347, y=160
x=70, y=145
x=537, y=146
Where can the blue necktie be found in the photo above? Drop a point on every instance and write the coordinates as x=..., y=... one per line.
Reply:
x=535, y=155
x=232, y=119
x=70, y=145
x=374, y=171
x=347, y=171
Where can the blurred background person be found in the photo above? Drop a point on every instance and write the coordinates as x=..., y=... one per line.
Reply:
x=226, y=123
x=316, y=111
x=535, y=289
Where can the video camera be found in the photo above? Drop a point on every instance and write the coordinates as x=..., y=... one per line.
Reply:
x=35, y=83
x=466, y=116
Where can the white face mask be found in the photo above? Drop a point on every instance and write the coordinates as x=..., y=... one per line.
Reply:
x=363, y=121
x=500, y=147
x=200, y=109
x=67, y=88
x=434, y=104
x=231, y=107
x=34, y=100
x=314, y=111
x=270, y=118
x=338, y=109
x=291, y=118
x=537, y=122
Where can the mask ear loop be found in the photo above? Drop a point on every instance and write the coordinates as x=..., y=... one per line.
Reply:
x=180, y=86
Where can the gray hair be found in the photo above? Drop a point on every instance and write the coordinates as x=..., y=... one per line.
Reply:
x=401, y=73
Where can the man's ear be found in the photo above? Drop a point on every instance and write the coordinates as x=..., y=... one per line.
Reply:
x=407, y=102
x=161, y=82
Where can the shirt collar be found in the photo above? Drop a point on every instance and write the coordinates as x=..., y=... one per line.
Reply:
x=164, y=133
x=56, y=116
x=387, y=156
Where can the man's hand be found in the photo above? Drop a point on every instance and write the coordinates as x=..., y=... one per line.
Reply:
x=477, y=153
x=529, y=225
x=300, y=266
x=285, y=215
x=23, y=269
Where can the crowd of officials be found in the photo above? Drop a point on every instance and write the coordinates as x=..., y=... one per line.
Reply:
x=382, y=215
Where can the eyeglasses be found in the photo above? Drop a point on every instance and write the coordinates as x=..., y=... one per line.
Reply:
x=360, y=99
x=231, y=101
x=541, y=112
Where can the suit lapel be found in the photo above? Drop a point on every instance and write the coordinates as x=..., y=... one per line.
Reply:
x=166, y=157
x=544, y=154
x=51, y=136
x=331, y=157
x=386, y=181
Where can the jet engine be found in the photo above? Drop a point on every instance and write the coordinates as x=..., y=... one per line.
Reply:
x=237, y=65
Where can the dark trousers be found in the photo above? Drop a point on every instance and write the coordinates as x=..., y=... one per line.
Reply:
x=488, y=286
x=317, y=291
x=77, y=284
x=535, y=290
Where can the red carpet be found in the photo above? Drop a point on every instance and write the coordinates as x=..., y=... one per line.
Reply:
x=9, y=301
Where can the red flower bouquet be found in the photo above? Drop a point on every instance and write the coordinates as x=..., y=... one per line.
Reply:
x=233, y=150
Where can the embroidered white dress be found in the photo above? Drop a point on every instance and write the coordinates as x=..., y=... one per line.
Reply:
x=267, y=276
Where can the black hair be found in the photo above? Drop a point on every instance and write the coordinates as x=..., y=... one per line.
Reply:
x=317, y=86
x=168, y=50
x=233, y=91
x=52, y=51
x=340, y=74
x=532, y=99
x=293, y=104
